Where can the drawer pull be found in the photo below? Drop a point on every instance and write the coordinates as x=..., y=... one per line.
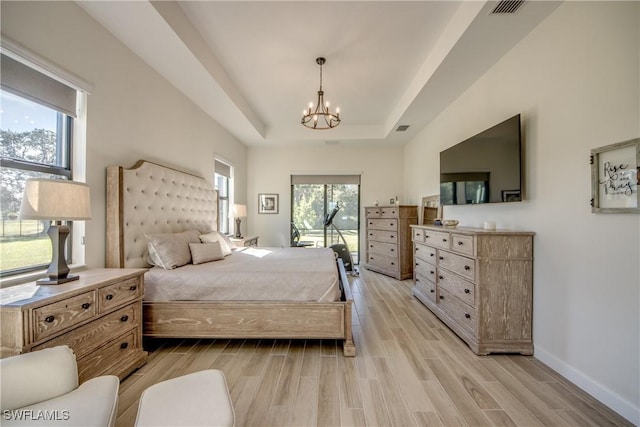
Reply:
x=49, y=319
x=393, y=263
x=392, y=237
x=427, y=236
x=124, y=345
x=440, y=277
x=370, y=234
x=467, y=291
x=432, y=255
x=417, y=249
x=133, y=288
x=109, y=297
x=431, y=290
x=124, y=318
x=417, y=264
x=86, y=305
x=460, y=243
x=444, y=240
x=391, y=224
x=467, y=315
x=441, y=296
x=391, y=249
x=432, y=272
x=466, y=267
x=441, y=257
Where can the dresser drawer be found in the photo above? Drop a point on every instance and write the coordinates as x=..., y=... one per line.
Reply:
x=461, y=313
x=389, y=212
x=458, y=264
x=463, y=244
x=417, y=235
x=426, y=288
x=437, y=238
x=372, y=212
x=89, y=337
x=426, y=253
x=390, y=224
x=119, y=293
x=457, y=286
x=387, y=263
x=381, y=248
x=99, y=361
x=53, y=318
x=383, y=236
x=426, y=270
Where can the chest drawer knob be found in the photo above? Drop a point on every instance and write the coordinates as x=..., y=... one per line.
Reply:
x=393, y=263
x=124, y=345
x=432, y=272
x=441, y=258
x=391, y=249
x=86, y=305
x=431, y=290
x=460, y=243
x=466, y=291
x=467, y=316
x=109, y=297
x=417, y=264
x=466, y=267
x=124, y=318
x=444, y=240
x=133, y=288
x=431, y=255
x=49, y=319
x=440, y=277
x=441, y=296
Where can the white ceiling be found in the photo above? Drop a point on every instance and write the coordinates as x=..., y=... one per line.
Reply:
x=251, y=65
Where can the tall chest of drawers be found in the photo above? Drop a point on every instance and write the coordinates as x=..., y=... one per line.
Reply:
x=478, y=282
x=99, y=316
x=389, y=239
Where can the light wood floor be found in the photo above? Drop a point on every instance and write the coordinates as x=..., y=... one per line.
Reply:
x=410, y=370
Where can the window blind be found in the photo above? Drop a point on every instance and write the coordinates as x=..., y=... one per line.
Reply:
x=28, y=83
x=222, y=169
x=325, y=179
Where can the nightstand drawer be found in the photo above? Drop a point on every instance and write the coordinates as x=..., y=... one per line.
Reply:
x=53, y=318
x=119, y=293
x=89, y=337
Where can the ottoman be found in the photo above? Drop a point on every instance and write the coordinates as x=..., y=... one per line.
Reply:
x=197, y=399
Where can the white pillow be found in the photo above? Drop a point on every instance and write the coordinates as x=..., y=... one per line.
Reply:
x=214, y=236
x=171, y=250
x=205, y=252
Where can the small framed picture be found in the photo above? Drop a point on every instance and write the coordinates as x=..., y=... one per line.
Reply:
x=392, y=201
x=615, y=176
x=267, y=203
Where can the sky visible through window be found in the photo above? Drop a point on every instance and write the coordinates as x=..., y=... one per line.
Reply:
x=21, y=115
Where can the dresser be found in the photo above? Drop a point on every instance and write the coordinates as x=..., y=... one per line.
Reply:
x=479, y=283
x=388, y=235
x=99, y=316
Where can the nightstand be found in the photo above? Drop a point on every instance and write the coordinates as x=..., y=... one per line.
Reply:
x=99, y=316
x=245, y=241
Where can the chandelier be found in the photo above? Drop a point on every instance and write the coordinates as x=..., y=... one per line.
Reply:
x=321, y=117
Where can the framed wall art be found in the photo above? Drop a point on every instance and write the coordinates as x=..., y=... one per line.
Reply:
x=267, y=203
x=615, y=176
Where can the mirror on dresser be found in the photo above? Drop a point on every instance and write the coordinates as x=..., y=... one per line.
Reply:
x=431, y=209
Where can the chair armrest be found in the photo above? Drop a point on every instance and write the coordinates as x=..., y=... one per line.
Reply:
x=34, y=377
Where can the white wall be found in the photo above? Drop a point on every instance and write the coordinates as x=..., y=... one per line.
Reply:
x=133, y=112
x=575, y=80
x=270, y=170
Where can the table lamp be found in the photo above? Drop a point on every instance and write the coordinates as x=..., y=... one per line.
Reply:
x=237, y=212
x=56, y=200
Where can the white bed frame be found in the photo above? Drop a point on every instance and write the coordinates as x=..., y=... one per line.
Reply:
x=150, y=198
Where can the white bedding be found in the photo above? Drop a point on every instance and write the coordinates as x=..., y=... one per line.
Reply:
x=251, y=274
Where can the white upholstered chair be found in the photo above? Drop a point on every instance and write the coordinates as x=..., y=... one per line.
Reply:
x=41, y=388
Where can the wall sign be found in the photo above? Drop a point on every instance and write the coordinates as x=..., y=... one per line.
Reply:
x=615, y=177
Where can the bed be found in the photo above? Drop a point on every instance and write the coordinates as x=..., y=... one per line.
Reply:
x=147, y=199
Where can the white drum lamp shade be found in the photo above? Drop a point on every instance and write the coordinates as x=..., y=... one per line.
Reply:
x=56, y=200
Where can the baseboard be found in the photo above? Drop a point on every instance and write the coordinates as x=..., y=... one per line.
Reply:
x=613, y=400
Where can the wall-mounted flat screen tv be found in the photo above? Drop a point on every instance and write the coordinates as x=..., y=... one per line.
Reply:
x=484, y=168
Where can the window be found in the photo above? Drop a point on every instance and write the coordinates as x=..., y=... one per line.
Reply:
x=224, y=184
x=36, y=127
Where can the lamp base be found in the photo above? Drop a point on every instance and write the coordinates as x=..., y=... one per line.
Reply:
x=49, y=281
x=238, y=233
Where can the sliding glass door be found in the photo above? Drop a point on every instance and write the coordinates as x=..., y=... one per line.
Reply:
x=313, y=197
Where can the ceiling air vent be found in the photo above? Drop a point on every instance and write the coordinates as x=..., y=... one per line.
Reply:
x=402, y=128
x=507, y=6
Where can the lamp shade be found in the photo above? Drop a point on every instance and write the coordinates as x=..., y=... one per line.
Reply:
x=56, y=200
x=238, y=211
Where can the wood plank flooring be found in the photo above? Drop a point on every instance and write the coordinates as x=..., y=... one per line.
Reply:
x=410, y=370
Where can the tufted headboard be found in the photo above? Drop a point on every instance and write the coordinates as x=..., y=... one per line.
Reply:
x=150, y=198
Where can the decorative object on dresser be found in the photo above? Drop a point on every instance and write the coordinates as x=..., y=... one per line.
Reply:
x=56, y=200
x=389, y=239
x=615, y=178
x=98, y=316
x=478, y=282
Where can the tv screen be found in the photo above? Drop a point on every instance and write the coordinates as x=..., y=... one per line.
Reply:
x=484, y=168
